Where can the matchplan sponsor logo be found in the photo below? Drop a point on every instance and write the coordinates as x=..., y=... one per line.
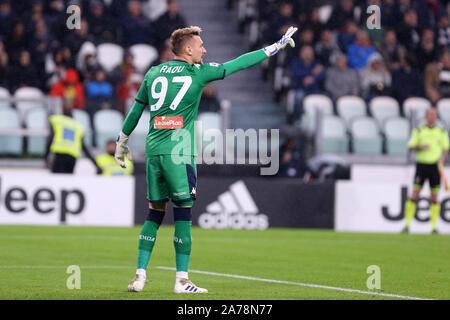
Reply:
x=234, y=209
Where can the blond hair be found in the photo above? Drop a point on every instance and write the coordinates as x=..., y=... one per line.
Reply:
x=180, y=36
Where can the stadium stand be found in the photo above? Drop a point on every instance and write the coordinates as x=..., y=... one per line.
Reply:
x=10, y=144
x=366, y=136
x=397, y=131
x=409, y=78
x=36, y=118
x=334, y=135
x=106, y=123
x=83, y=117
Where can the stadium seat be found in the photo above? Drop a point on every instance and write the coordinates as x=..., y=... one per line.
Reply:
x=83, y=117
x=85, y=49
x=4, y=93
x=325, y=13
x=382, y=108
x=334, y=136
x=107, y=125
x=311, y=104
x=397, y=131
x=210, y=123
x=416, y=104
x=109, y=55
x=9, y=144
x=366, y=136
x=28, y=93
x=443, y=108
x=137, y=139
x=349, y=107
x=144, y=55
x=36, y=118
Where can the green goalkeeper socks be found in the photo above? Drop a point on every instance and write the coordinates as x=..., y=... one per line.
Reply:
x=410, y=210
x=147, y=240
x=182, y=242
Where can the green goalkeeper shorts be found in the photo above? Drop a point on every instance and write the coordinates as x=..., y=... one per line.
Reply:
x=170, y=179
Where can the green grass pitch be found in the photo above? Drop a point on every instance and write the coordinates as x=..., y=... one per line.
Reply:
x=33, y=262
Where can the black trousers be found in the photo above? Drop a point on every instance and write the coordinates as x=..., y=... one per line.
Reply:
x=63, y=163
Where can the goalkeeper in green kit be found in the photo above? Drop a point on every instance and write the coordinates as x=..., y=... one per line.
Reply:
x=172, y=91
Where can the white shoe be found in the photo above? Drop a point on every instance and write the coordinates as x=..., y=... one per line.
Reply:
x=138, y=284
x=186, y=286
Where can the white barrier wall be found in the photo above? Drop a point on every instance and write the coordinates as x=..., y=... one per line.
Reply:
x=38, y=198
x=373, y=201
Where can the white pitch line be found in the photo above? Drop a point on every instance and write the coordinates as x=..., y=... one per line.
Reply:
x=298, y=284
x=65, y=267
x=229, y=276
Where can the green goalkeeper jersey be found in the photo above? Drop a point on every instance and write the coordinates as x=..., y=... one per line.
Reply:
x=172, y=91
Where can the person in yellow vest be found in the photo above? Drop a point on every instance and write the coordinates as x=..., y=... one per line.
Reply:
x=65, y=142
x=109, y=165
x=431, y=143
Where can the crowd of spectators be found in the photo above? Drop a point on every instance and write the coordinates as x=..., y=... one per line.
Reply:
x=37, y=49
x=407, y=56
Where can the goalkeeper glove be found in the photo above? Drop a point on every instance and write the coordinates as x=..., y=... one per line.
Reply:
x=122, y=150
x=282, y=43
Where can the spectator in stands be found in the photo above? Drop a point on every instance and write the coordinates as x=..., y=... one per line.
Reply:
x=389, y=16
x=407, y=81
x=209, y=101
x=307, y=75
x=312, y=21
x=57, y=19
x=292, y=159
x=56, y=69
x=408, y=30
x=135, y=26
x=376, y=79
x=41, y=43
x=347, y=35
x=99, y=87
x=443, y=31
x=98, y=92
x=391, y=50
x=6, y=18
x=327, y=49
x=16, y=41
x=427, y=51
x=4, y=68
x=166, y=54
x=121, y=72
x=340, y=80
x=428, y=12
x=24, y=74
x=437, y=78
x=127, y=89
x=70, y=90
x=75, y=39
x=305, y=38
x=108, y=164
x=360, y=50
x=401, y=7
x=101, y=25
x=277, y=24
x=167, y=23
x=342, y=12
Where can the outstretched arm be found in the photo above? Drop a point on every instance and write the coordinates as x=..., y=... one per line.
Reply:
x=250, y=59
